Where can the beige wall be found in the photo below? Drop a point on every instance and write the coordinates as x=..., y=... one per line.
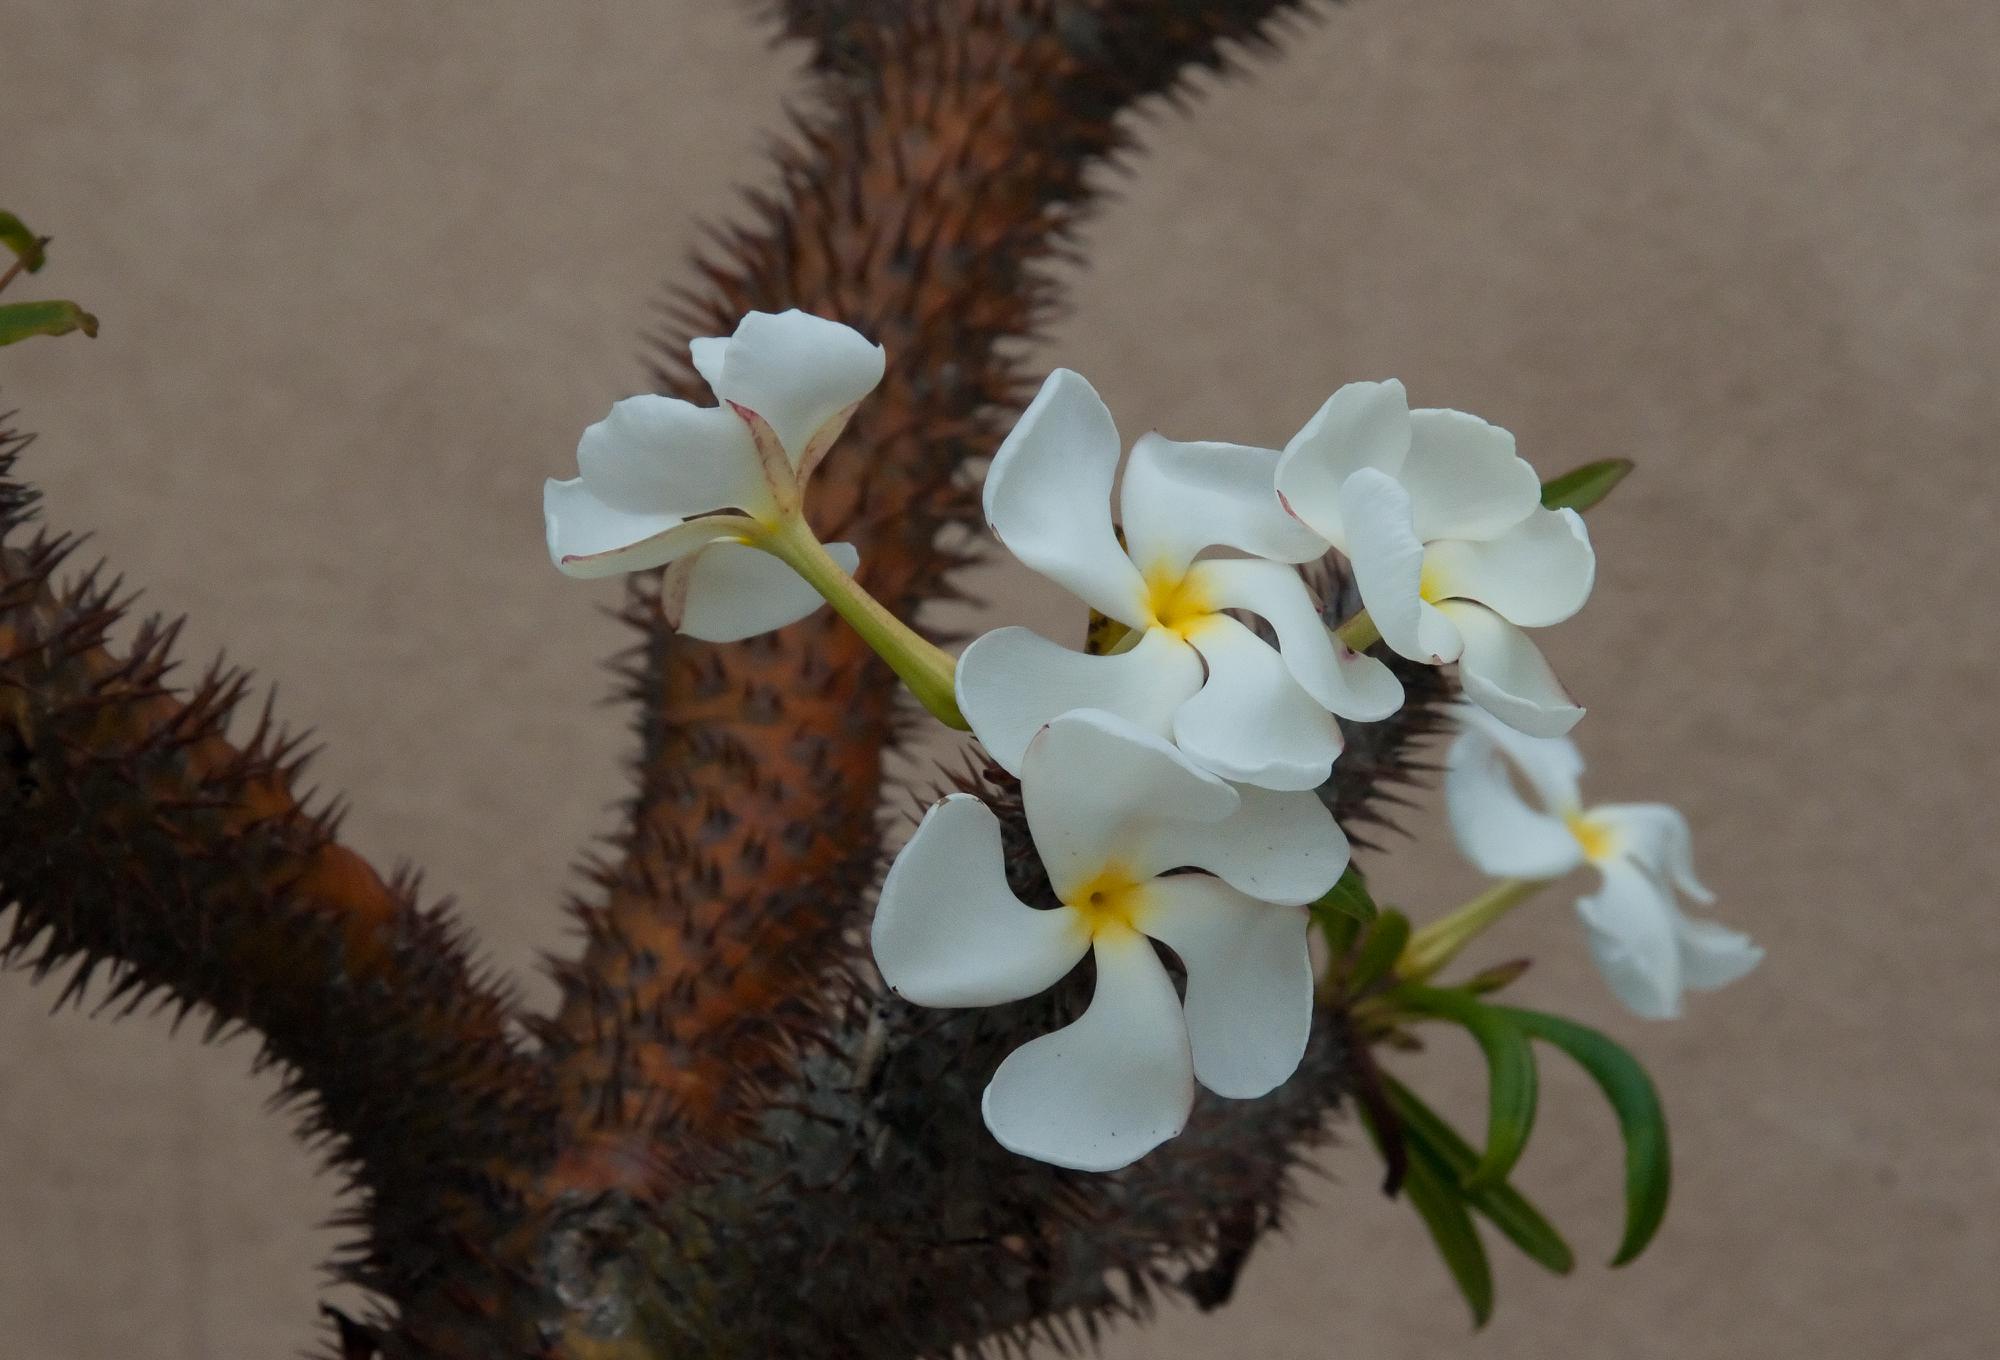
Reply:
x=365, y=270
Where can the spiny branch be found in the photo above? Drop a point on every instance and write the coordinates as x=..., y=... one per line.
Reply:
x=139, y=843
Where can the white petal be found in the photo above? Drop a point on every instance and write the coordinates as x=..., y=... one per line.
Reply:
x=1464, y=478
x=798, y=371
x=1388, y=562
x=590, y=539
x=1091, y=780
x=949, y=932
x=1344, y=682
x=1105, y=1091
x=1276, y=846
x=1713, y=955
x=1551, y=765
x=1252, y=722
x=1494, y=828
x=731, y=591
x=1657, y=838
x=1363, y=425
x=1633, y=938
x=657, y=455
x=1502, y=672
x=1048, y=498
x=1012, y=682
x=1537, y=573
x=1249, y=981
x=1179, y=498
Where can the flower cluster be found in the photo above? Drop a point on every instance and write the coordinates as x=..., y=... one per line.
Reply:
x=1169, y=772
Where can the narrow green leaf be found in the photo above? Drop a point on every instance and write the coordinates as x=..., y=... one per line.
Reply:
x=24, y=319
x=1510, y=1063
x=1379, y=951
x=1436, y=1201
x=1502, y=1205
x=1580, y=488
x=1641, y=1119
x=27, y=246
x=1349, y=897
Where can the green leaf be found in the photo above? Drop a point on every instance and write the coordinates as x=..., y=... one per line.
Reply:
x=1379, y=951
x=26, y=246
x=1502, y=1205
x=1641, y=1119
x=24, y=319
x=1580, y=488
x=1510, y=1063
x=1349, y=898
x=1431, y=1193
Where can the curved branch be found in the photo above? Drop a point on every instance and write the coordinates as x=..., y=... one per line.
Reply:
x=137, y=840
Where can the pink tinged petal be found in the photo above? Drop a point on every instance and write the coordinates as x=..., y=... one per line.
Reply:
x=1494, y=827
x=1551, y=765
x=1252, y=722
x=1464, y=478
x=1388, y=562
x=1632, y=922
x=1656, y=837
x=731, y=591
x=1048, y=498
x=589, y=539
x=1713, y=955
x=1278, y=847
x=949, y=932
x=1502, y=672
x=1012, y=682
x=1537, y=573
x=1342, y=681
x=1249, y=981
x=1178, y=499
x=1363, y=425
x=802, y=373
x=1105, y=1091
x=656, y=455
x=1092, y=781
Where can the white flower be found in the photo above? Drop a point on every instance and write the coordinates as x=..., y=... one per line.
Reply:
x=668, y=482
x=1112, y=808
x=1451, y=547
x=1230, y=701
x=1648, y=949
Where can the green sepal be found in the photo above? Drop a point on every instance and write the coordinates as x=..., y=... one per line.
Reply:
x=1379, y=951
x=27, y=246
x=1501, y=1204
x=23, y=319
x=1580, y=488
x=1510, y=1063
x=1641, y=1120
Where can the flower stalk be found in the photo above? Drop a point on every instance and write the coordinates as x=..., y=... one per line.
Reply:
x=1438, y=943
x=922, y=665
x=1359, y=633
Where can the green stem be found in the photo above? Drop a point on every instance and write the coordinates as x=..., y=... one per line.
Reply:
x=1439, y=942
x=926, y=668
x=1359, y=633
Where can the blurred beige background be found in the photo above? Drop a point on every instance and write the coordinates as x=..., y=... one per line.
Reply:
x=365, y=271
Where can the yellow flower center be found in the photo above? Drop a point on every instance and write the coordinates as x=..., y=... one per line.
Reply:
x=1177, y=602
x=1108, y=903
x=1431, y=585
x=1599, y=840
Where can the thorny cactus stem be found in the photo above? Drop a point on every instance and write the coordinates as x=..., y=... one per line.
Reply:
x=728, y=1145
